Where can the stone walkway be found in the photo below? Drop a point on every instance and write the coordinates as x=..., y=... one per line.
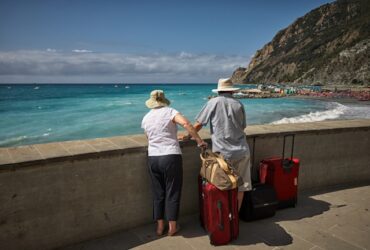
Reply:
x=338, y=219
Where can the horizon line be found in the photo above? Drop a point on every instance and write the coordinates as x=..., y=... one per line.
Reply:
x=30, y=83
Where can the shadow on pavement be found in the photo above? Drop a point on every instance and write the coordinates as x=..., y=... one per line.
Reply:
x=267, y=231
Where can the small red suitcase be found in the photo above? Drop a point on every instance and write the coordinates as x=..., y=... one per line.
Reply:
x=282, y=174
x=219, y=213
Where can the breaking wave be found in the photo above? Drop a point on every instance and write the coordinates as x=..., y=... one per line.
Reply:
x=20, y=140
x=13, y=140
x=335, y=112
x=118, y=104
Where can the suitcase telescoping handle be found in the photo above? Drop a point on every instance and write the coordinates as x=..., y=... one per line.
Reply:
x=287, y=163
x=254, y=147
x=255, y=172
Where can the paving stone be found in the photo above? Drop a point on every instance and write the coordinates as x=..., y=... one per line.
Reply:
x=345, y=124
x=282, y=128
x=5, y=157
x=139, y=139
x=359, y=218
x=145, y=233
x=352, y=235
x=156, y=245
x=298, y=243
x=316, y=236
x=259, y=246
x=170, y=243
x=102, y=145
x=350, y=206
x=122, y=142
x=316, y=248
x=264, y=231
x=351, y=196
x=200, y=242
x=307, y=207
x=24, y=154
x=77, y=147
x=52, y=150
x=193, y=233
x=255, y=130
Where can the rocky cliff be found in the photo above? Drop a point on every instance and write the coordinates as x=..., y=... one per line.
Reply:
x=329, y=45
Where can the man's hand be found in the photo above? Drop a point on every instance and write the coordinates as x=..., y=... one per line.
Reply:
x=203, y=145
x=183, y=137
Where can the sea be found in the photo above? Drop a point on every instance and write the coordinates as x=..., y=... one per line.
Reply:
x=41, y=113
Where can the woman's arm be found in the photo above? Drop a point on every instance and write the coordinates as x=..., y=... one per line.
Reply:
x=181, y=120
x=197, y=126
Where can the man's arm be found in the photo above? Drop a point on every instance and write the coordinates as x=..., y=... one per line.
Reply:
x=202, y=118
x=198, y=126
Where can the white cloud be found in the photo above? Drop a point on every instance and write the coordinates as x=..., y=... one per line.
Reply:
x=51, y=50
x=39, y=66
x=81, y=51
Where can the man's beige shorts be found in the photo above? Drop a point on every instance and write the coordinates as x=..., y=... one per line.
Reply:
x=243, y=168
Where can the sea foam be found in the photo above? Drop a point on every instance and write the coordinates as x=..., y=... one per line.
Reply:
x=335, y=110
x=13, y=140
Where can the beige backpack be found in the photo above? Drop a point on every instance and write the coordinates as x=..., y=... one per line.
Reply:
x=216, y=170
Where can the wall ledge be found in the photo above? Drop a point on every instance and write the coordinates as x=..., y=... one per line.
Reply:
x=309, y=127
x=13, y=158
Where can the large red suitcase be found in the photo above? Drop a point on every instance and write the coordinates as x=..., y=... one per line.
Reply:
x=218, y=213
x=282, y=174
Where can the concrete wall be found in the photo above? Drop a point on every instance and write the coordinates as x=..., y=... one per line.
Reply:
x=55, y=194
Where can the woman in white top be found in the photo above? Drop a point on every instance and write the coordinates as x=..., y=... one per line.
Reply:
x=164, y=158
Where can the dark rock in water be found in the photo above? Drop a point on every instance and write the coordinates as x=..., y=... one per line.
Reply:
x=329, y=45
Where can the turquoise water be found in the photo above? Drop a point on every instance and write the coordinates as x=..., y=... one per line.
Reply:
x=44, y=113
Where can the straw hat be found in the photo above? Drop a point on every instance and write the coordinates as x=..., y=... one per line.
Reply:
x=225, y=84
x=157, y=100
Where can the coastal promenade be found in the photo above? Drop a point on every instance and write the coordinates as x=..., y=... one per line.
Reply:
x=60, y=194
x=336, y=218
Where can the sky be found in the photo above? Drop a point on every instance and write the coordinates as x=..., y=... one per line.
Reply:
x=136, y=41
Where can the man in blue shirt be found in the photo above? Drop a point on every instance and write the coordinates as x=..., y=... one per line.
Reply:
x=227, y=120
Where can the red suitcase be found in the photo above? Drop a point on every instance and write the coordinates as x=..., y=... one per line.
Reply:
x=218, y=213
x=282, y=174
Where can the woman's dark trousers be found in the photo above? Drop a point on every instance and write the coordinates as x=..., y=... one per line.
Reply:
x=166, y=175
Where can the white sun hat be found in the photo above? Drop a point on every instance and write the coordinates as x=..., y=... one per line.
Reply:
x=157, y=99
x=225, y=84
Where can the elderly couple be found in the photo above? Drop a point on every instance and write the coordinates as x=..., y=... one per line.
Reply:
x=227, y=119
